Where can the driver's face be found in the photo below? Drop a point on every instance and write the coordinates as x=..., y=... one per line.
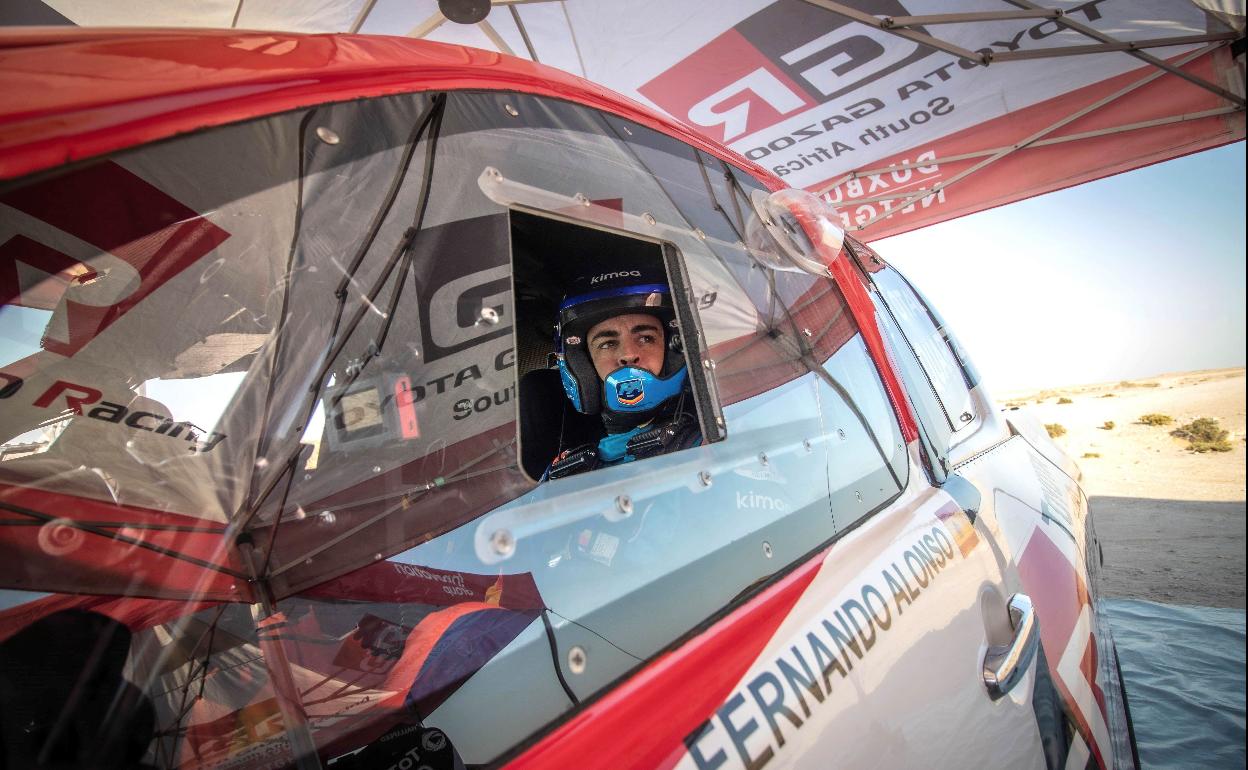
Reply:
x=626, y=340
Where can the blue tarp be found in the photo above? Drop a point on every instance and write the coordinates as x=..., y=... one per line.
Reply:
x=1184, y=673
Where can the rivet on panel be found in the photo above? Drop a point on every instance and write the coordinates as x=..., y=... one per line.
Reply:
x=503, y=542
x=649, y=218
x=705, y=478
x=327, y=135
x=767, y=551
x=577, y=660
x=624, y=504
x=512, y=111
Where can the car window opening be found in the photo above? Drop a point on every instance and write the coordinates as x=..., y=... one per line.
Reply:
x=601, y=358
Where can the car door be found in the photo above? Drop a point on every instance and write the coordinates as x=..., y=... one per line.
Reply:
x=1034, y=514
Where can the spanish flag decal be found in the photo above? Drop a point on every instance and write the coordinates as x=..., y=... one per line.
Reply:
x=960, y=527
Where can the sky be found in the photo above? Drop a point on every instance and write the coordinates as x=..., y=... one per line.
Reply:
x=1123, y=278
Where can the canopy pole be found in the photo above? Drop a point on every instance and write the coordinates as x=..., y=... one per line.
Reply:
x=294, y=718
x=428, y=25
x=524, y=33
x=1141, y=55
x=362, y=16
x=270, y=623
x=1128, y=46
x=892, y=26
x=572, y=34
x=917, y=37
x=965, y=18
x=494, y=37
x=1034, y=137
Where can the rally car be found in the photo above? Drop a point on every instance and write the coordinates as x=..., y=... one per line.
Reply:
x=278, y=390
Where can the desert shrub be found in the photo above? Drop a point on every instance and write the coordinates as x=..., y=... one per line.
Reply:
x=1107, y=425
x=1127, y=384
x=1064, y=400
x=1152, y=418
x=1108, y=395
x=1089, y=455
x=1055, y=429
x=1204, y=435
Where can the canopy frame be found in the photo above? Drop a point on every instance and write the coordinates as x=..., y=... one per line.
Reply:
x=1107, y=42
x=1002, y=152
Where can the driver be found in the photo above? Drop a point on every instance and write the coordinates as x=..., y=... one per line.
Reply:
x=620, y=357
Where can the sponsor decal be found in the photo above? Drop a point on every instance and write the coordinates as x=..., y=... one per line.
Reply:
x=784, y=694
x=630, y=392
x=753, y=501
x=617, y=274
x=959, y=525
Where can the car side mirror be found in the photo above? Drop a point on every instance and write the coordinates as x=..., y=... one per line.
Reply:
x=964, y=493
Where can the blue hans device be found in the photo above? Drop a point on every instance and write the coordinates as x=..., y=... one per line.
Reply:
x=630, y=389
x=627, y=389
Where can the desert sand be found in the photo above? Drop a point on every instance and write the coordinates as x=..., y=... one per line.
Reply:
x=1171, y=521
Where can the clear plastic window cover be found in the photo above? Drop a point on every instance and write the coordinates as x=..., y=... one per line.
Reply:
x=243, y=363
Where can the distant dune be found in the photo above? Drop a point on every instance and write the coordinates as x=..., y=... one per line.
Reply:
x=1172, y=520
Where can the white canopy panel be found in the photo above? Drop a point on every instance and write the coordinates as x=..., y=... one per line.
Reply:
x=882, y=106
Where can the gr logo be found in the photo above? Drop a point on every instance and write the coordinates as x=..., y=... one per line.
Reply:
x=464, y=284
x=92, y=244
x=783, y=60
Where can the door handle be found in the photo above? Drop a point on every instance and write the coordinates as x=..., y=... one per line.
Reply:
x=1004, y=665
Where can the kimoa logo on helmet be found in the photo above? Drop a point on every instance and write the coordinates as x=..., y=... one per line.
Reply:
x=620, y=274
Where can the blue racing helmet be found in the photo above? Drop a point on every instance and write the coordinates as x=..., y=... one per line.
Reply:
x=628, y=390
